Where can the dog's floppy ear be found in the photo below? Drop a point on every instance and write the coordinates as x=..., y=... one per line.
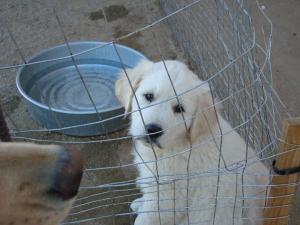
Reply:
x=204, y=117
x=123, y=90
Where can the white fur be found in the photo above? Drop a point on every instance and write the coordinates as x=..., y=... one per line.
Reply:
x=173, y=157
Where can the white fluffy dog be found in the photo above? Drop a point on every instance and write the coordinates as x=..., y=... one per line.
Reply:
x=183, y=176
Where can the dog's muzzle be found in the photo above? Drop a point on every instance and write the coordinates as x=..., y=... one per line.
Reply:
x=153, y=132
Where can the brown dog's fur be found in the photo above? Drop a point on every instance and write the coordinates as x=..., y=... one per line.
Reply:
x=26, y=174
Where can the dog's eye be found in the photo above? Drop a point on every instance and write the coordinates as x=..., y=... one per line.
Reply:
x=178, y=109
x=149, y=97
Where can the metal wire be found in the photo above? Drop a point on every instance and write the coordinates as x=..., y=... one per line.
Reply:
x=231, y=54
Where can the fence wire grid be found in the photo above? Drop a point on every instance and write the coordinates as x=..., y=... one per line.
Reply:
x=224, y=44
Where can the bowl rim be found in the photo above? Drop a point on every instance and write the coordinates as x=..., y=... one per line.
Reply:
x=41, y=105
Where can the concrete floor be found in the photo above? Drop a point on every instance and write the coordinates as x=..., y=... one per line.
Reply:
x=34, y=28
x=285, y=16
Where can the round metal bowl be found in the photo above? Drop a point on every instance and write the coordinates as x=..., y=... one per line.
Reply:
x=69, y=92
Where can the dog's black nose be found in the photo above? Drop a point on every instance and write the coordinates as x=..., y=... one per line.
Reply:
x=154, y=131
x=68, y=176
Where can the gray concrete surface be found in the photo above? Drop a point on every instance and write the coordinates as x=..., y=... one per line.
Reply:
x=34, y=28
x=286, y=50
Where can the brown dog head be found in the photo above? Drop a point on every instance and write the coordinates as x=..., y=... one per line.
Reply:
x=38, y=183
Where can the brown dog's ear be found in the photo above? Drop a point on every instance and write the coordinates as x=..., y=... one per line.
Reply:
x=204, y=117
x=124, y=91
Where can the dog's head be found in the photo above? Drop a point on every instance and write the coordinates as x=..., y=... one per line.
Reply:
x=38, y=183
x=165, y=121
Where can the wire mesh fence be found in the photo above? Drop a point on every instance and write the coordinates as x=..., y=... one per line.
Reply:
x=223, y=44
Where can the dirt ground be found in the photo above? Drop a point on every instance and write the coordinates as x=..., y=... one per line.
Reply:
x=34, y=27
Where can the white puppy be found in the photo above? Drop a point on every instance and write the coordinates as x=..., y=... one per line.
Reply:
x=177, y=151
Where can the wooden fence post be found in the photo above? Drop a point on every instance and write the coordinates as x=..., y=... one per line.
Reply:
x=281, y=197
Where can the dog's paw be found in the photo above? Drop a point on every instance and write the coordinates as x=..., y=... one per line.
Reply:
x=136, y=204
